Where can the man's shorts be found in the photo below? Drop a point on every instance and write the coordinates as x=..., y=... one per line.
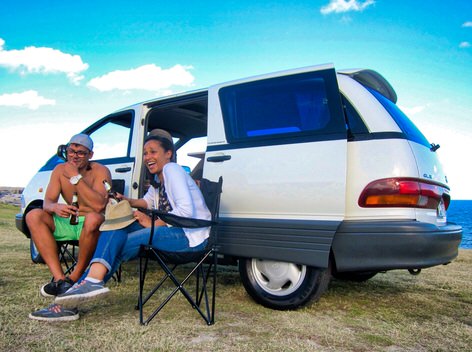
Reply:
x=65, y=231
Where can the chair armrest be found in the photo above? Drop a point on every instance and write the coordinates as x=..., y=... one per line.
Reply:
x=178, y=221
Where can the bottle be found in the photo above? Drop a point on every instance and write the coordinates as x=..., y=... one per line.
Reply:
x=111, y=195
x=74, y=219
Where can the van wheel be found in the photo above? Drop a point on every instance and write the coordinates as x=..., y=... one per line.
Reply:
x=356, y=276
x=35, y=256
x=281, y=285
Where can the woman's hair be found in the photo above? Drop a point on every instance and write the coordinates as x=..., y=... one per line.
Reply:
x=165, y=143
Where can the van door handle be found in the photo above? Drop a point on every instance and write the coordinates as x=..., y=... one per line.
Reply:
x=218, y=158
x=123, y=169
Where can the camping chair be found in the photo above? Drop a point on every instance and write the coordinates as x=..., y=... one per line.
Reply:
x=169, y=261
x=67, y=251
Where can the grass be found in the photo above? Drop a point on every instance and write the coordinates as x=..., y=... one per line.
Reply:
x=391, y=312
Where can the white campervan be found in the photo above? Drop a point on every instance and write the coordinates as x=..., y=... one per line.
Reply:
x=323, y=176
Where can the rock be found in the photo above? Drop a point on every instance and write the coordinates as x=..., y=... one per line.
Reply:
x=11, y=195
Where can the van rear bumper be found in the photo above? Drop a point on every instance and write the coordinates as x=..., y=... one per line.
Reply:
x=387, y=245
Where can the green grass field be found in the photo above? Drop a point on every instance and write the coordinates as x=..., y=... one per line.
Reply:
x=391, y=312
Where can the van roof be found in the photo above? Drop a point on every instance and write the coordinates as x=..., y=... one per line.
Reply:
x=366, y=77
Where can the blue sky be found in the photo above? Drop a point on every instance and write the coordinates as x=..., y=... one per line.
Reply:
x=64, y=64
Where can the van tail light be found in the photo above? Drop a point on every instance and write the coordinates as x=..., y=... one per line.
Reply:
x=404, y=192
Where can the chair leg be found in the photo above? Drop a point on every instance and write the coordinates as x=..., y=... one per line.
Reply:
x=210, y=272
x=66, y=258
x=179, y=286
x=117, y=275
x=213, y=298
x=203, y=292
x=142, y=274
x=158, y=285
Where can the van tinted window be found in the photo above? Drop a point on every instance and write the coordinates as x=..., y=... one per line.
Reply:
x=298, y=104
x=406, y=125
x=354, y=120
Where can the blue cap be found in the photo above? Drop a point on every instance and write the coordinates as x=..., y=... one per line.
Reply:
x=82, y=139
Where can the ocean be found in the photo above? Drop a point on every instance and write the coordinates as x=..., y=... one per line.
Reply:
x=460, y=212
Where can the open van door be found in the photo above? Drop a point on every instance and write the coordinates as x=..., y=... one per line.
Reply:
x=280, y=143
x=112, y=147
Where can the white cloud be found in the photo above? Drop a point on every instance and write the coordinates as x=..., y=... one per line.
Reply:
x=44, y=60
x=29, y=99
x=147, y=77
x=467, y=24
x=464, y=45
x=340, y=6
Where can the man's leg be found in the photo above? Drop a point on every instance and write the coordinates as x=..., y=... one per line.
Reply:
x=104, y=263
x=41, y=226
x=87, y=243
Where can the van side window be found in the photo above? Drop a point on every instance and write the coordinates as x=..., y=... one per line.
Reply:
x=355, y=124
x=297, y=104
x=406, y=125
x=111, y=139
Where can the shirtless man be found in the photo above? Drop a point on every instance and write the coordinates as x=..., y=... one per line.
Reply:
x=51, y=223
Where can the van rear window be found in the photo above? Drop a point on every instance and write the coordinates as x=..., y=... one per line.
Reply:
x=289, y=105
x=411, y=132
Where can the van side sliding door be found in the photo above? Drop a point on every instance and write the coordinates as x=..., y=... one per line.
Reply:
x=279, y=141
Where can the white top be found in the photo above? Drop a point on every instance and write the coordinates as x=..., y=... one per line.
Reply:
x=185, y=198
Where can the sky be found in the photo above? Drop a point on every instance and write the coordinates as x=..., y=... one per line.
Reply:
x=65, y=64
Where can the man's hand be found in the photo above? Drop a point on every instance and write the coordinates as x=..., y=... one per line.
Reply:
x=70, y=169
x=65, y=210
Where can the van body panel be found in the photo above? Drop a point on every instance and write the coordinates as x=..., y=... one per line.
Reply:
x=35, y=189
x=428, y=163
x=400, y=244
x=294, y=181
x=305, y=242
x=366, y=162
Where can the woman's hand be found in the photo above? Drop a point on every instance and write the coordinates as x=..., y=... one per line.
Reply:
x=121, y=197
x=143, y=219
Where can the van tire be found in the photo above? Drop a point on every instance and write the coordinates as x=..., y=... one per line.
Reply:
x=281, y=285
x=35, y=256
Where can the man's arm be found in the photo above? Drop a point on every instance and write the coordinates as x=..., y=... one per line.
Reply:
x=94, y=195
x=53, y=192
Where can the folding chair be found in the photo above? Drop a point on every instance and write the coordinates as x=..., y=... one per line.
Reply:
x=170, y=261
x=68, y=251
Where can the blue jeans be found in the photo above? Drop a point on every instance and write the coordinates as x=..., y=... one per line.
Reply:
x=117, y=246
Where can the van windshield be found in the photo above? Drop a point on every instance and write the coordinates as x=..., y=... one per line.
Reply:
x=406, y=125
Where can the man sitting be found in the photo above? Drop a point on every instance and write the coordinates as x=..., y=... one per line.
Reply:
x=51, y=223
